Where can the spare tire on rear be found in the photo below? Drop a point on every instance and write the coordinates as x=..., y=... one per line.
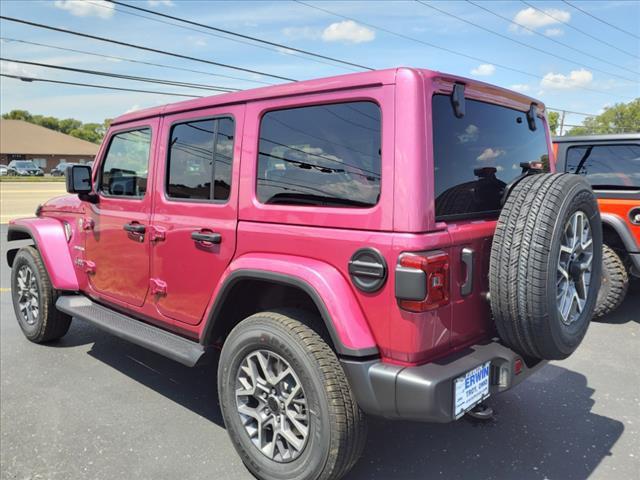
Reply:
x=546, y=261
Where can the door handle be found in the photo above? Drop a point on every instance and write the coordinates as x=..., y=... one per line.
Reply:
x=206, y=237
x=466, y=256
x=134, y=227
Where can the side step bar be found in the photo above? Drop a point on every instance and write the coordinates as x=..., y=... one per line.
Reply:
x=153, y=338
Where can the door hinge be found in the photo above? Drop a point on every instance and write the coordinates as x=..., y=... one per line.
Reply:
x=87, y=265
x=157, y=234
x=158, y=287
x=88, y=224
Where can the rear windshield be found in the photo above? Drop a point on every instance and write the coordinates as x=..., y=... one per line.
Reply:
x=606, y=166
x=477, y=155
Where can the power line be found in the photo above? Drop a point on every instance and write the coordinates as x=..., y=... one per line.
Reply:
x=124, y=76
x=125, y=59
x=551, y=40
x=438, y=47
x=567, y=24
x=572, y=112
x=141, y=47
x=105, y=87
x=600, y=20
x=240, y=35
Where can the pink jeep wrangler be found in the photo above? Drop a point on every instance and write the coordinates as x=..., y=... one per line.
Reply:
x=381, y=243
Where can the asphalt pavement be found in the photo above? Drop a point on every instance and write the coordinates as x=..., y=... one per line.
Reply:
x=20, y=199
x=92, y=406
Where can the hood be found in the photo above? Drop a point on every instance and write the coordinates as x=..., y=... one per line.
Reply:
x=64, y=203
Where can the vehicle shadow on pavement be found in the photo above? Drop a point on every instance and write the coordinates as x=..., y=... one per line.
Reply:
x=544, y=428
x=629, y=311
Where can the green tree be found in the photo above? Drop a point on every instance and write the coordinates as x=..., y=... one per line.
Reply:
x=553, y=118
x=619, y=118
x=18, y=115
x=69, y=124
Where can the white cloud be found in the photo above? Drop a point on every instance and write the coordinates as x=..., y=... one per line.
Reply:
x=553, y=32
x=576, y=78
x=155, y=3
x=18, y=69
x=347, y=31
x=80, y=8
x=133, y=108
x=484, y=70
x=197, y=41
x=307, y=33
x=470, y=134
x=533, y=19
x=520, y=87
x=489, y=154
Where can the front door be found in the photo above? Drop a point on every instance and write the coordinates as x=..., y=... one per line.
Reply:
x=117, y=240
x=195, y=212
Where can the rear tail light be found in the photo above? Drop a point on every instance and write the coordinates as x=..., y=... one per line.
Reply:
x=432, y=269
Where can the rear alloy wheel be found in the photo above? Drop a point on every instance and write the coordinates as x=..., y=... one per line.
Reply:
x=285, y=400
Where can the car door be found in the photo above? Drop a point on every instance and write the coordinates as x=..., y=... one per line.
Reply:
x=195, y=211
x=117, y=241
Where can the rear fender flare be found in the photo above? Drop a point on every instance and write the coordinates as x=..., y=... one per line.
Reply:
x=325, y=285
x=51, y=241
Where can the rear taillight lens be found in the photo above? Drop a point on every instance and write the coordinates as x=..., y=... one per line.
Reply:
x=435, y=266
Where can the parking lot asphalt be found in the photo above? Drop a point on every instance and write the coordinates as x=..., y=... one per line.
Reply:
x=20, y=199
x=92, y=406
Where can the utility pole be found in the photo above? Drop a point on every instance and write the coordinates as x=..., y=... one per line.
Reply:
x=562, y=122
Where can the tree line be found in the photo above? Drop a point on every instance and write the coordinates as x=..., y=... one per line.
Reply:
x=91, y=132
x=618, y=118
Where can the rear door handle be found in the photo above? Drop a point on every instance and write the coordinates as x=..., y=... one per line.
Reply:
x=206, y=237
x=466, y=256
x=134, y=227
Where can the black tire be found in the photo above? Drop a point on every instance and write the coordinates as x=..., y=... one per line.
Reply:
x=614, y=285
x=337, y=426
x=523, y=274
x=48, y=324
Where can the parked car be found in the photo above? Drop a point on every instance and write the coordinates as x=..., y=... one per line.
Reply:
x=3, y=170
x=382, y=243
x=62, y=168
x=611, y=164
x=24, y=168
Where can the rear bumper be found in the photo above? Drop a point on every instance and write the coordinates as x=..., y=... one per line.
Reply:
x=425, y=393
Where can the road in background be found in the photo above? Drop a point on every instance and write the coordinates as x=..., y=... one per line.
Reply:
x=92, y=406
x=20, y=199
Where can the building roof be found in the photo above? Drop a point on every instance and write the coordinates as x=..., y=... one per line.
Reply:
x=20, y=137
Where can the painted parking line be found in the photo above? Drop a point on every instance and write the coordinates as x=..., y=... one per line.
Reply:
x=6, y=218
x=4, y=290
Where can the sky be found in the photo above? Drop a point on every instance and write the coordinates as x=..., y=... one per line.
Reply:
x=564, y=57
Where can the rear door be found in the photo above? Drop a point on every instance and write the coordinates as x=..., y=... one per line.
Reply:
x=117, y=243
x=475, y=157
x=195, y=212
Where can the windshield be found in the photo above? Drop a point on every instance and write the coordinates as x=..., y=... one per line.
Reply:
x=477, y=155
x=25, y=164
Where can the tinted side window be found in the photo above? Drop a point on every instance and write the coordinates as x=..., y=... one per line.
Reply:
x=324, y=155
x=200, y=157
x=477, y=155
x=606, y=166
x=126, y=166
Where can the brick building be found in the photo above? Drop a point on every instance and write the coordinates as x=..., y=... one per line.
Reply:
x=47, y=148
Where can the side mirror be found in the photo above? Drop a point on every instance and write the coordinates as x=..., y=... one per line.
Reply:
x=79, y=179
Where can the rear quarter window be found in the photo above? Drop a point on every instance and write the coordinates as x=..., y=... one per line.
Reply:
x=476, y=156
x=321, y=155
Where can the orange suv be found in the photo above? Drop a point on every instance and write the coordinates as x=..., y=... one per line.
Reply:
x=611, y=163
